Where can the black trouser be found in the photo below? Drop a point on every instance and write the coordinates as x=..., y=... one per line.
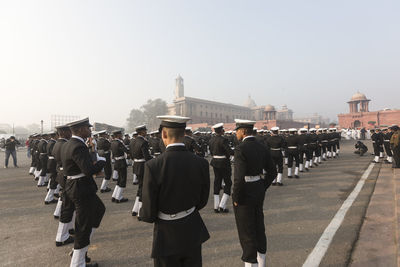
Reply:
x=293, y=154
x=318, y=151
x=43, y=163
x=89, y=209
x=140, y=186
x=222, y=174
x=387, y=149
x=53, y=180
x=278, y=160
x=189, y=258
x=67, y=208
x=302, y=152
x=376, y=149
x=396, y=156
x=251, y=230
x=122, y=173
x=337, y=144
x=323, y=148
x=107, y=167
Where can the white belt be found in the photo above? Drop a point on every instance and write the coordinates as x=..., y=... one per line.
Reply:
x=176, y=216
x=386, y=140
x=119, y=158
x=43, y=153
x=292, y=147
x=76, y=176
x=139, y=160
x=324, y=141
x=219, y=157
x=50, y=157
x=373, y=141
x=61, y=168
x=157, y=153
x=275, y=149
x=106, y=152
x=250, y=179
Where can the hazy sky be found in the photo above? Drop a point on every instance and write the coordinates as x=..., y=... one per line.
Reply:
x=103, y=58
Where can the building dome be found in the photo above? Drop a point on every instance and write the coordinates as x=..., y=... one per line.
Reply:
x=250, y=103
x=269, y=108
x=358, y=96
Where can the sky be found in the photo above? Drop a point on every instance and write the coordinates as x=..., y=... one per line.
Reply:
x=103, y=58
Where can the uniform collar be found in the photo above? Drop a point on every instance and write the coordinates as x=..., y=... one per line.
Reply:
x=248, y=137
x=175, y=144
x=79, y=138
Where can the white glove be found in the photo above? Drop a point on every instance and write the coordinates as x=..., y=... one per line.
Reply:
x=100, y=158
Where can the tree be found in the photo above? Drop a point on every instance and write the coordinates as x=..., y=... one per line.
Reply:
x=136, y=117
x=147, y=114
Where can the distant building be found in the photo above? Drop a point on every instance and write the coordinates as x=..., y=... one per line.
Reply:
x=315, y=119
x=204, y=113
x=360, y=116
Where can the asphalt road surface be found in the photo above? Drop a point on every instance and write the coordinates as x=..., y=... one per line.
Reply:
x=295, y=218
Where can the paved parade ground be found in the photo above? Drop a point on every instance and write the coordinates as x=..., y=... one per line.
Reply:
x=296, y=215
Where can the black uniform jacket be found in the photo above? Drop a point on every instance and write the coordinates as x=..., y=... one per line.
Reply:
x=219, y=146
x=175, y=181
x=103, y=146
x=191, y=144
x=292, y=140
x=51, y=163
x=76, y=159
x=139, y=149
x=276, y=144
x=57, y=155
x=119, y=149
x=251, y=158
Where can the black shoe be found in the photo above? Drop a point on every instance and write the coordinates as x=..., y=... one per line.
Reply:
x=56, y=217
x=71, y=231
x=301, y=171
x=68, y=241
x=273, y=184
x=296, y=176
x=311, y=166
x=115, y=180
x=134, y=213
x=113, y=199
x=290, y=176
x=121, y=200
x=16, y=166
x=41, y=185
x=307, y=169
x=324, y=159
x=56, y=195
x=36, y=178
x=46, y=183
x=374, y=161
x=280, y=184
x=135, y=183
x=105, y=190
x=221, y=210
x=94, y=264
x=216, y=210
x=51, y=201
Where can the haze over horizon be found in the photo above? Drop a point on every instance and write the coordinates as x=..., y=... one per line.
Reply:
x=103, y=58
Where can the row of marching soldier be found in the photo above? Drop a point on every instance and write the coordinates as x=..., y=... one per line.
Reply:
x=173, y=180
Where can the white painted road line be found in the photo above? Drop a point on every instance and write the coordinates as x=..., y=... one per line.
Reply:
x=316, y=256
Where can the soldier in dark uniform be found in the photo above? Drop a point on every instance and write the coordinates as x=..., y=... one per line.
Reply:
x=119, y=150
x=65, y=207
x=104, y=150
x=395, y=145
x=375, y=144
x=292, y=143
x=361, y=148
x=140, y=153
x=276, y=144
x=304, y=140
x=127, y=140
x=221, y=153
x=33, y=148
x=320, y=145
x=324, y=143
x=81, y=188
x=313, y=148
x=381, y=139
x=176, y=186
x=189, y=141
x=252, y=160
x=51, y=167
x=43, y=179
x=284, y=133
x=154, y=143
x=387, y=134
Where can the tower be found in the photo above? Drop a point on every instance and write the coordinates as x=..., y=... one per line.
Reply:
x=179, y=89
x=358, y=103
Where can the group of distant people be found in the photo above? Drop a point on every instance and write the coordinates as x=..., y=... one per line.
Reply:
x=384, y=140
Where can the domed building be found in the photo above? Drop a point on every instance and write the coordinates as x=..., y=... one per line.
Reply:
x=361, y=117
x=269, y=112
